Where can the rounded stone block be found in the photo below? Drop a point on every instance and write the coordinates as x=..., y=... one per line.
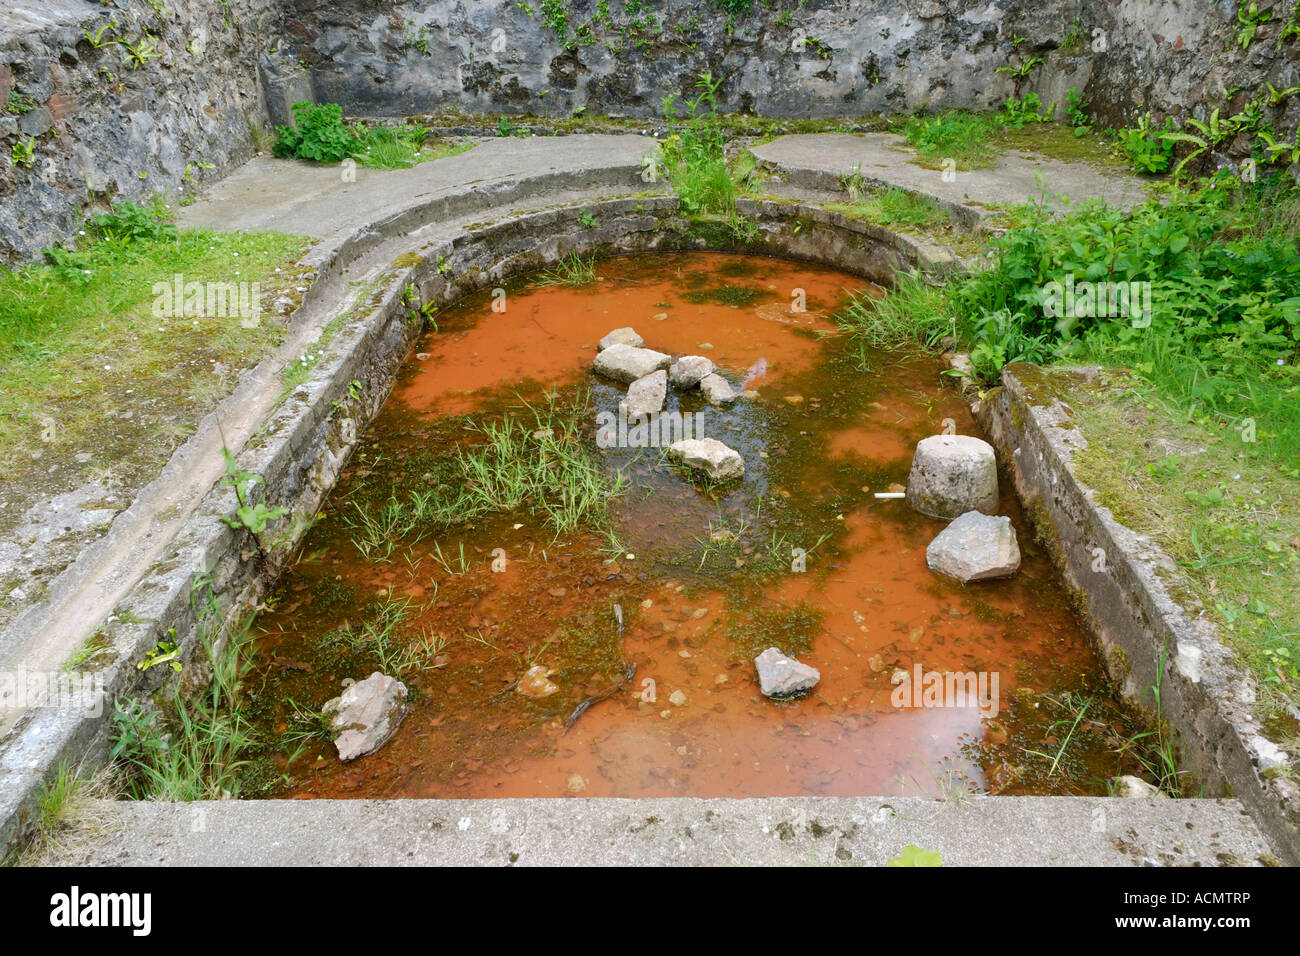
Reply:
x=951, y=475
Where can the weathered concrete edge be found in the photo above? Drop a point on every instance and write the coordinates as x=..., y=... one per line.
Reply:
x=677, y=831
x=1124, y=589
x=308, y=438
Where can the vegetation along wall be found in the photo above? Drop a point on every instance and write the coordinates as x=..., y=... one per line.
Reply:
x=127, y=98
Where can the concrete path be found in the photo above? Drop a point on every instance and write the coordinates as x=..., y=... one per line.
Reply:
x=817, y=160
x=789, y=831
x=312, y=199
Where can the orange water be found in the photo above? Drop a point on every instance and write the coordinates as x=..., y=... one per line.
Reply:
x=820, y=436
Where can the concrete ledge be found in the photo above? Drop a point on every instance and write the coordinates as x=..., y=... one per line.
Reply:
x=775, y=831
x=1125, y=593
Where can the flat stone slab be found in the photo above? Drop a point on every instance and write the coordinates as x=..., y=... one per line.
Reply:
x=975, y=547
x=682, y=831
x=312, y=199
x=887, y=159
x=627, y=363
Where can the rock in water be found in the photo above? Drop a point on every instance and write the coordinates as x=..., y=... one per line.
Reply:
x=624, y=336
x=1135, y=788
x=708, y=456
x=780, y=676
x=627, y=363
x=645, y=396
x=718, y=390
x=975, y=547
x=366, y=714
x=536, y=682
x=688, y=370
x=951, y=475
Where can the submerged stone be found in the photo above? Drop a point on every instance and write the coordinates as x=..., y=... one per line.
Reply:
x=366, y=714
x=781, y=676
x=975, y=547
x=627, y=363
x=951, y=475
x=710, y=457
x=536, y=682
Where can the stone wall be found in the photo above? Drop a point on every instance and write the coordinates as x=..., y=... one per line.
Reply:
x=822, y=58
x=104, y=125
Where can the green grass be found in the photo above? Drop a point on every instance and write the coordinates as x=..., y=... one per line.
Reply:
x=1229, y=515
x=969, y=139
x=573, y=271
x=911, y=312
x=79, y=332
x=401, y=148
x=536, y=460
x=196, y=747
x=896, y=207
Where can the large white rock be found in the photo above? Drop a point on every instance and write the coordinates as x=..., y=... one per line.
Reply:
x=624, y=336
x=975, y=547
x=708, y=456
x=688, y=370
x=366, y=715
x=645, y=396
x=953, y=474
x=781, y=676
x=718, y=390
x=627, y=363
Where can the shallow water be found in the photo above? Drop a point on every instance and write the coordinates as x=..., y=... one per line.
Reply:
x=706, y=578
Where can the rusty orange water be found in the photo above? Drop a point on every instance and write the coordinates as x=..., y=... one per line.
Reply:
x=705, y=579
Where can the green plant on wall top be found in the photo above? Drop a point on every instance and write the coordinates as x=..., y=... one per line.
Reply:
x=318, y=133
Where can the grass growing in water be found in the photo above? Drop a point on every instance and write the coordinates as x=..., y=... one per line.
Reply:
x=573, y=271
x=911, y=312
x=197, y=750
x=544, y=466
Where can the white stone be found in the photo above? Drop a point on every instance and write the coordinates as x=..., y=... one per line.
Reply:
x=1135, y=788
x=715, y=460
x=627, y=363
x=782, y=676
x=975, y=547
x=953, y=474
x=624, y=336
x=688, y=371
x=366, y=715
x=645, y=396
x=718, y=390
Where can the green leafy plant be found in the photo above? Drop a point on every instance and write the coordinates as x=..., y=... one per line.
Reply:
x=1145, y=145
x=913, y=855
x=1249, y=19
x=23, y=154
x=127, y=222
x=253, y=517
x=166, y=652
x=318, y=133
x=1076, y=111
x=1018, y=113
